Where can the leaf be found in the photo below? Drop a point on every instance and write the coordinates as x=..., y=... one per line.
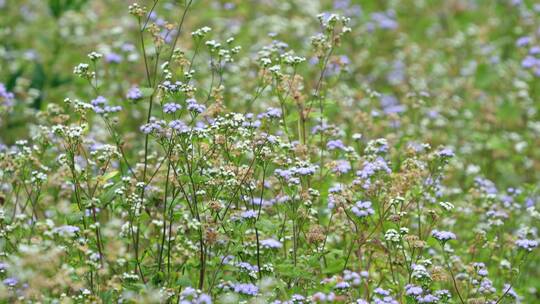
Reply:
x=147, y=92
x=110, y=175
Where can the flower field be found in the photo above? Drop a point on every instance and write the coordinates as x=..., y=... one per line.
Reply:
x=270, y=151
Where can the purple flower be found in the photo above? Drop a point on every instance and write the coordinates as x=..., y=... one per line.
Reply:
x=271, y=244
x=507, y=288
x=270, y=113
x=341, y=166
x=134, y=93
x=523, y=41
x=413, y=290
x=534, y=50
x=381, y=292
x=486, y=287
x=249, y=214
x=193, y=106
x=10, y=282
x=362, y=209
x=371, y=167
x=482, y=272
x=351, y=276
x=153, y=126
x=66, y=230
x=529, y=62
x=528, y=245
x=305, y=170
x=342, y=285
x=384, y=20
x=284, y=173
x=246, y=289
x=171, y=107
x=5, y=96
x=98, y=101
x=127, y=47
x=322, y=297
x=100, y=106
x=445, y=153
x=113, y=58
x=178, y=126
x=247, y=266
x=429, y=298
x=204, y=299
x=335, y=144
x=443, y=236
x=390, y=104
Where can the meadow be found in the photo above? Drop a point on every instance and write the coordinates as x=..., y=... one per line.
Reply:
x=269, y=151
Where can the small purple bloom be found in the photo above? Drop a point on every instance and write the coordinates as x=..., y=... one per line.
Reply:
x=171, y=107
x=335, y=144
x=246, y=289
x=134, y=93
x=523, y=41
x=271, y=244
x=443, y=236
x=113, y=58
x=193, y=106
x=413, y=290
x=10, y=282
x=249, y=214
x=362, y=209
x=528, y=245
x=342, y=166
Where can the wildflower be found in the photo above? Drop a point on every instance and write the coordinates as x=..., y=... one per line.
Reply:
x=246, y=289
x=134, y=93
x=525, y=244
x=429, y=298
x=153, y=126
x=507, y=288
x=178, y=126
x=270, y=113
x=5, y=96
x=443, y=236
x=10, y=282
x=249, y=214
x=362, y=209
x=486, y=287
x=342, y=285
x=420, y=272
x=193, y=106
x=95, y=56
x=523, y=41
x=445, y=153
x=66, y=230
x=113, y=58
x=335, y=144
x=391, y=235
x=341, y=166
x=353, y=277
x=82, y=70
x=446, y=206
x=320, y=297
x=413, y=290
x=271, y=244
x=529, y=62
x=171, y=108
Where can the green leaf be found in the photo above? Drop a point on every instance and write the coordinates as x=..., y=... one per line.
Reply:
x=147, y=92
